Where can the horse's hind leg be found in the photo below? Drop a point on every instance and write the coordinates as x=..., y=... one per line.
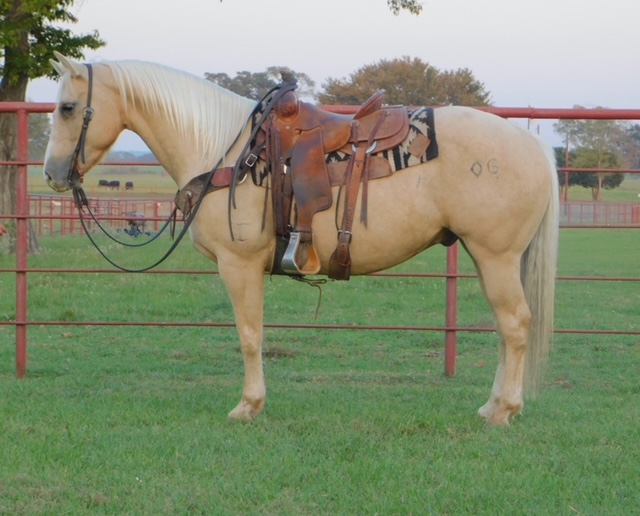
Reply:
x=500, y=277
x=245, y=284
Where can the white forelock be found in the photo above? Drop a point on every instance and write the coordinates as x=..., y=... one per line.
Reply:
x=207, y=114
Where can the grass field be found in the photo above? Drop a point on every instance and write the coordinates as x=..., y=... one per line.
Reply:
x=132, y=420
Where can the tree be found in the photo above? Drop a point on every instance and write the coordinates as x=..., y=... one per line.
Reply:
x=407, y=81
x=255, y=85
x=565, y=179
x=631, y=149
x=27, y=41
x=39, y=131
x=594, y=144
x=412, y=6
x=594, y=158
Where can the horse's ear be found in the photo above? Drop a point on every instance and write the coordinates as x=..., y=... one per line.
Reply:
x=58, y=67
x=65, y=64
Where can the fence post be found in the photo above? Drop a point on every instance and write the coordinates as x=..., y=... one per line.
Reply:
x=22, y=243
x=155, y=216
x=451, y=312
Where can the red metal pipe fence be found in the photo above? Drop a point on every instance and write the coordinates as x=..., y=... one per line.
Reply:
x=63, y=219
x=56, y=214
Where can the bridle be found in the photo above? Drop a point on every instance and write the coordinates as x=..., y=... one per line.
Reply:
x=262, y=108
x=73, y=176
x=81, y=201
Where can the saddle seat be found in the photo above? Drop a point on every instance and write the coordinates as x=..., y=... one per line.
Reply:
x=299, y=135
x=293, y=117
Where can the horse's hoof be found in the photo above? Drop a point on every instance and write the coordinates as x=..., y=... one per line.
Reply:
x=495, y=420
x=487, y=410
x=494, y=415
x=244, y=412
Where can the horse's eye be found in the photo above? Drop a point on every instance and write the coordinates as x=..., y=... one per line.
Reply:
x=67, y=108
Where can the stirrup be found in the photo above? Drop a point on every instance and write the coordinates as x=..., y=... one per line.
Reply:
x=289, y=264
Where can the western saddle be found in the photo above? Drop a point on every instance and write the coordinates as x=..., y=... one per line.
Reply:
x=298, y=137
x=294, y=138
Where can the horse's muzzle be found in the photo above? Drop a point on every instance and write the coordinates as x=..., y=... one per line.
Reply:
x=58, y=176
x=57, y=185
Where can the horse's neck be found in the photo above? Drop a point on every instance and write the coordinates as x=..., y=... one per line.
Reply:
x=176, y=152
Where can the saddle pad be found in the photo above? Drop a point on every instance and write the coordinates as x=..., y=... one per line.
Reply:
x=419, y=146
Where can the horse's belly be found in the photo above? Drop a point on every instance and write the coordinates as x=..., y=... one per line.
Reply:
x=402, y=220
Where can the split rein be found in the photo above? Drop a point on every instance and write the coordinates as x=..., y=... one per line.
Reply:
x=81, y=200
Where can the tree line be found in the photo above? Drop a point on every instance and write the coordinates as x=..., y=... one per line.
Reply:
x=597, y=144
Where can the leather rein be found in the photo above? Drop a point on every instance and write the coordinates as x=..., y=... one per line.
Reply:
x=81, y=200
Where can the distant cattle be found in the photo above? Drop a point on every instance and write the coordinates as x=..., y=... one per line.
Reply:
x=128, y=185
x=103, y=183
x=114, y=185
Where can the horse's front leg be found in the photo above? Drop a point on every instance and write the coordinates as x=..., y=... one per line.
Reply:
x=245, y=283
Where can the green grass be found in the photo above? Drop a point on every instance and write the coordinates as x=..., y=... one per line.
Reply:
x=132, y=420
x=628, y=191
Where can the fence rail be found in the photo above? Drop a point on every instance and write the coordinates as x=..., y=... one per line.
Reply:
x=56, y=215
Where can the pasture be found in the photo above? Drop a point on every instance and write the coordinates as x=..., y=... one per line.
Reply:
x=149, y=181
x=132, y=420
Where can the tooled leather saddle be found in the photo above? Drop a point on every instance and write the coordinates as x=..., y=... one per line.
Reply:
x=292, y=142
x=298, y=138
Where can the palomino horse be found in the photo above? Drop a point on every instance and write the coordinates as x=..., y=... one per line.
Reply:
x=493, y=186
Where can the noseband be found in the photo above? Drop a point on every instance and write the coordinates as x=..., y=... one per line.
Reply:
x=73, y=176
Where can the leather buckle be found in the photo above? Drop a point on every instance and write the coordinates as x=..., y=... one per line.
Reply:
x=251, y=160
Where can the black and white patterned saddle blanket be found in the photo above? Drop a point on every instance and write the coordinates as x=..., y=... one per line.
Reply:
x=419, y=146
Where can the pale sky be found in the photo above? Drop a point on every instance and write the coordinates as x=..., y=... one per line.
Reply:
x=542, y=53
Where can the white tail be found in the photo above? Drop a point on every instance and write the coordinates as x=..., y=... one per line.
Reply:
x=539, y=281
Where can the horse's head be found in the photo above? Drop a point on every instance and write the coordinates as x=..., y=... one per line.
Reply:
x=86, y=122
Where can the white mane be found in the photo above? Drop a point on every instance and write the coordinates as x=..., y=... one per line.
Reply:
x=201, y=110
